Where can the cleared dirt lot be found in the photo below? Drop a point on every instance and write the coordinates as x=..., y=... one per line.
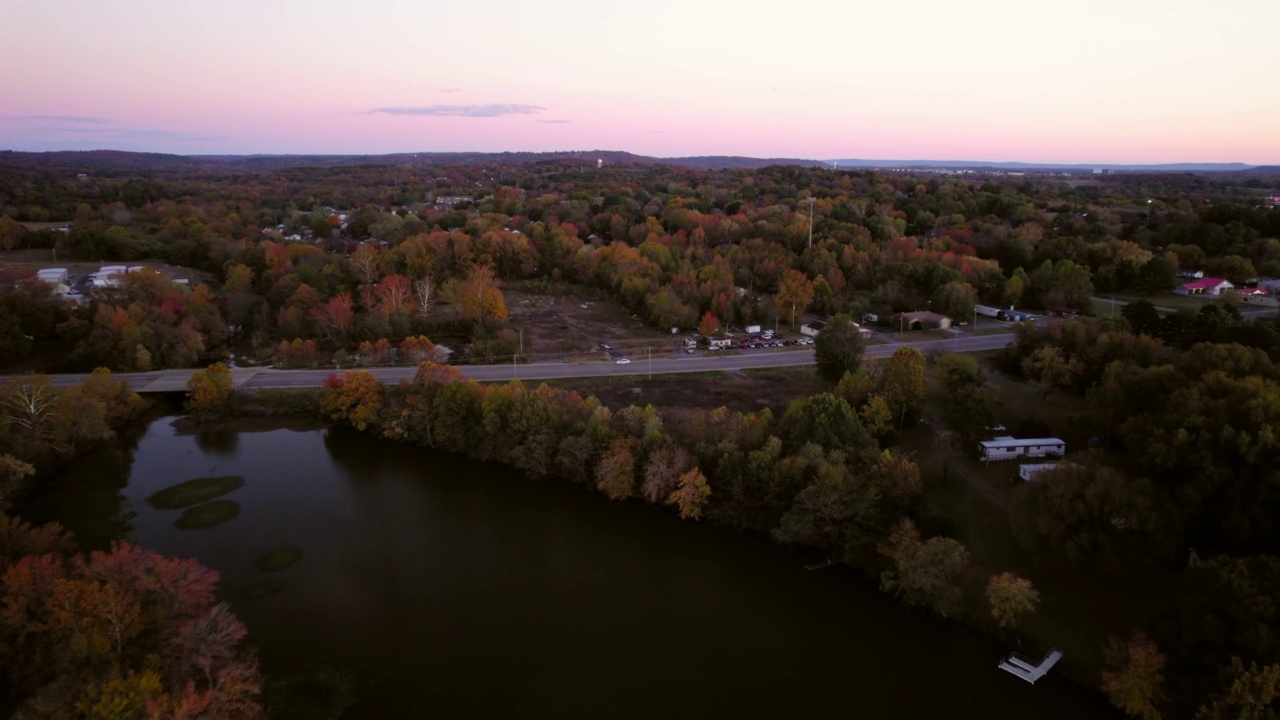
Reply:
x=577, y=322
x=685, y=397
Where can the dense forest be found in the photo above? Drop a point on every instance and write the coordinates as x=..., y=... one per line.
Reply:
x=367, y=263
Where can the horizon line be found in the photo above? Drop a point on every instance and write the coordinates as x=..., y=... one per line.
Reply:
x=836, y=161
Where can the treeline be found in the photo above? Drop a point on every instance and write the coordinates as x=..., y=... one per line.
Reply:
x=124, y=633
x=814, y=477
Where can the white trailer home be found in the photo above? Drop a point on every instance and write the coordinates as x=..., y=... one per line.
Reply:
x=1032, y=471
x=1010, y=448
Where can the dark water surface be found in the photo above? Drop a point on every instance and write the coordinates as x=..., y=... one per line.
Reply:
x=452, y=589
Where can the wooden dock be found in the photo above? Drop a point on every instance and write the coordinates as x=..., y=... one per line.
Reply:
x=1026, y=669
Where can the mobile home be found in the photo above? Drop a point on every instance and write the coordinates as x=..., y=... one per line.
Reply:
x=1010, y=448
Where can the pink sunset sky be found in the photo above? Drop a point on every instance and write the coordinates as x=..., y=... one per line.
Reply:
x=1117, y=81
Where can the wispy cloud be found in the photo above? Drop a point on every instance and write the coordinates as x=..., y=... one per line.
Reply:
x=138, y=133
x=75, y=119
x=491, y=110
x=554, y=122
x=452, y=90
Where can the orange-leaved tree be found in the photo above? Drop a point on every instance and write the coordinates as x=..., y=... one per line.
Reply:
x=691, y=495
x=354, y=397
x=480, y=296
x=210, y=391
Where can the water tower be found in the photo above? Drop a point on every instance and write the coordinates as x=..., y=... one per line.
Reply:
x=599, y=164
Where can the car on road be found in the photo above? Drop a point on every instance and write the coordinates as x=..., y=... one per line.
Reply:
x=623, y=361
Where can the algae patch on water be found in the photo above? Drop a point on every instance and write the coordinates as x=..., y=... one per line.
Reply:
x=279, y=559
x=194, y=492
x=262, y=589
x=208, y=515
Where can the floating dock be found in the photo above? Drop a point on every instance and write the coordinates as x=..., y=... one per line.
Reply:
x=1028, y=670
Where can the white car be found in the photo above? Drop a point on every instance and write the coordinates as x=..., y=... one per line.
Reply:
x=623, y=361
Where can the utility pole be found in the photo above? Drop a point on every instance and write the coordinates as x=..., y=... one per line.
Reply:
x=649, y=351
x=812, y=202
x=515, y=367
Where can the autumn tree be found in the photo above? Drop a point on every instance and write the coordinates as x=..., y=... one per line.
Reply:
x=123, y=633
x=1134, y=676
x=795, y=292
x=209, y=391
x=709, y=325
x=1049, y=368
x=925, y=573
x=691, y=495
x=900, y=379
x=354, y=397
x=616, y=473
x=1011, y=598
x=663, y=470
x=479, y=296
x=1253, y=694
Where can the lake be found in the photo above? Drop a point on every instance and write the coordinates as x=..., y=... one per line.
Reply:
x=456, y=589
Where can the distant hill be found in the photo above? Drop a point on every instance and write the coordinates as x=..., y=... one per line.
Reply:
x=720, y=162
x=984, y=165
x=99, y=161
x=107, y=162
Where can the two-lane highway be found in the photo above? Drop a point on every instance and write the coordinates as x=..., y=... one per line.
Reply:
x=249, y=378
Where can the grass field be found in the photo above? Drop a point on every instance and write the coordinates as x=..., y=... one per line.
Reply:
x=1168, y=300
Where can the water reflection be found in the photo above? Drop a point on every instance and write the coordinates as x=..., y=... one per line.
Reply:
x=218, y=442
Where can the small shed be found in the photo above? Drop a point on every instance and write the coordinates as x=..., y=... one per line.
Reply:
x=1011, y=448
x=719, y=343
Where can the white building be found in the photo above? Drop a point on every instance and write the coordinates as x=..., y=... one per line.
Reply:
x=53, y=276
x=1031, y=471
x=1010, y=448
x=108, y=275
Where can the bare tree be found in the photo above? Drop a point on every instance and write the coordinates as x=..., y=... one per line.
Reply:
x=30, y=404
x=426, y=291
